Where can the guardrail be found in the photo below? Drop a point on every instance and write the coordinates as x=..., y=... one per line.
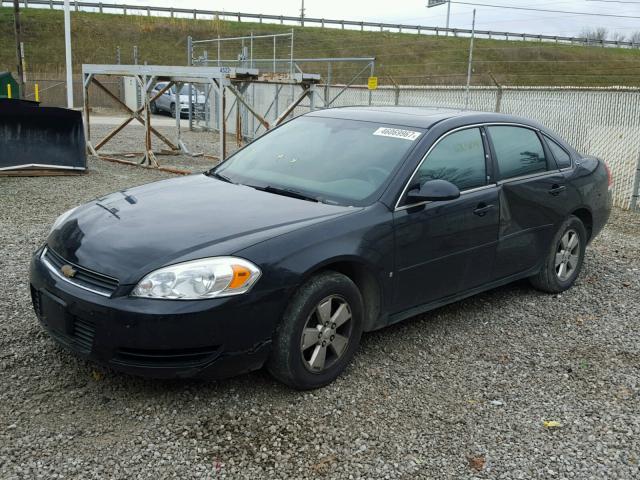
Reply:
x=322, y=22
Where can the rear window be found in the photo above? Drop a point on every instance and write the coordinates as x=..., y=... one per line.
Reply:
x=518, y=151
x=563, y=159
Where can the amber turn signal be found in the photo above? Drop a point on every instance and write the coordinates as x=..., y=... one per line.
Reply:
x=241, y=275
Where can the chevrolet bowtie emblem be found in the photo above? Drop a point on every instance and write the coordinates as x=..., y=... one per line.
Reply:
x=68, y=271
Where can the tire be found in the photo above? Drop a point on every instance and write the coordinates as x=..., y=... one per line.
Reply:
x=154, y=108
x=296, y=358
x=172, y=110
x=568, y=248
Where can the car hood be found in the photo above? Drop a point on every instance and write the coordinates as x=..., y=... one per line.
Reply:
x=128, y=233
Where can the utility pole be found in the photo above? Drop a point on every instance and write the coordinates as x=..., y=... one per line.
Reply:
x=67, y=53
x=473, y=34
x=437, y=3
x=302, y=9
x=19, y=53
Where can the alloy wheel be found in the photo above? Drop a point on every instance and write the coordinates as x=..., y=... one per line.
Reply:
x=326, y=334
x=567, y=255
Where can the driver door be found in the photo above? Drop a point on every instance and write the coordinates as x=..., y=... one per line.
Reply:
x=448, y=247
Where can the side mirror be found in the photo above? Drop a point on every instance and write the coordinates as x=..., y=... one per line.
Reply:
x=433, y=191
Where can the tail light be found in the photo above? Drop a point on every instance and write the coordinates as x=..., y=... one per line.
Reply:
x=609, y=176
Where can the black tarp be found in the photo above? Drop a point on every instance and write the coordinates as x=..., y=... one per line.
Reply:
x=40, y=137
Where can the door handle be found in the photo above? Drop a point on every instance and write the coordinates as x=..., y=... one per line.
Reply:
x=556, y=189
x=482, y=209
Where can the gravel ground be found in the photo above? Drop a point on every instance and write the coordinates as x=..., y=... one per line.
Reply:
x=462, y=392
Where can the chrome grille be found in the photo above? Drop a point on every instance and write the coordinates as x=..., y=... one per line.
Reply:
x=83, y=278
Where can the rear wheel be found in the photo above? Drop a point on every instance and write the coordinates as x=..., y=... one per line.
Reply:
x=319, y=333
x=564, y=260
x=172, y=110
x=153, y=107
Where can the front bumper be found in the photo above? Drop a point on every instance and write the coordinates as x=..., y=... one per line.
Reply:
x=213, y=338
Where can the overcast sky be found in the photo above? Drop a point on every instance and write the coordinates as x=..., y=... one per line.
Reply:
x=416, y=12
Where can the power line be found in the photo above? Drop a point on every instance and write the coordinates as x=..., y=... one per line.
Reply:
x=614, y=1
x=546, y=10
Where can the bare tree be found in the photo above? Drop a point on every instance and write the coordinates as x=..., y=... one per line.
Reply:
x=617, y=37
x=635, y=37
x=596, y=34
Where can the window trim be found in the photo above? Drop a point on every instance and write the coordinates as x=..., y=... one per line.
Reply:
x=543, y=144
x=490, y=162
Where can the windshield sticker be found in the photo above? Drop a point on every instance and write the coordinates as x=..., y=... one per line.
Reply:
x=397, y=133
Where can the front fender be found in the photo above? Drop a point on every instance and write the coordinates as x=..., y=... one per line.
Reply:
x=364, y=238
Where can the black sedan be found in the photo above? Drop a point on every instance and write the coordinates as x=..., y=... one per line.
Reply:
x=339, y=222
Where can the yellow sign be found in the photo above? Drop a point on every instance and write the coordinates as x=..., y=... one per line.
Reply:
x=372, y=83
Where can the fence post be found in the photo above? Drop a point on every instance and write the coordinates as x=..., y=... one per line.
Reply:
x=635, y=197
x=499, y=99
x=327, y=86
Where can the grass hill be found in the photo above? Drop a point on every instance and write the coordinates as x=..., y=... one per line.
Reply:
x=407, y=58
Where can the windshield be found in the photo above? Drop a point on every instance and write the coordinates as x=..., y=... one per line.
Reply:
x=332, y=160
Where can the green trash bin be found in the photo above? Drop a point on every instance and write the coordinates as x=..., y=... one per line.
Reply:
x=6, y=79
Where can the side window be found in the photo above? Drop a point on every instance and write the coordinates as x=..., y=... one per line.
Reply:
x=458, y=158
x=563, y=159
x=518, y=151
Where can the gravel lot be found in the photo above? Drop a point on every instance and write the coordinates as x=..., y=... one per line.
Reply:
x=462, y=392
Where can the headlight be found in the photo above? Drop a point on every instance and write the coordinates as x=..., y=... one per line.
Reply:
x=60, y=220
x=199, y=279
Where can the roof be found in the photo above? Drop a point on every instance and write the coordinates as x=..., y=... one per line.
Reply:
x=418, y=117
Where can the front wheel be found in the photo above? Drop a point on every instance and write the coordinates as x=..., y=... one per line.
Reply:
x=319, y=333
x=564, y=260
x=172, y=110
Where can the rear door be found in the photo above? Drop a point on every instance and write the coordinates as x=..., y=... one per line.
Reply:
x=443, y=248
x=532, y=194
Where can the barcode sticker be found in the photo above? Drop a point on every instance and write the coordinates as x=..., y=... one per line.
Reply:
x=397, y=133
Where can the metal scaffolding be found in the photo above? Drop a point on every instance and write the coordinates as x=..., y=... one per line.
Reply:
x=221, y=80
